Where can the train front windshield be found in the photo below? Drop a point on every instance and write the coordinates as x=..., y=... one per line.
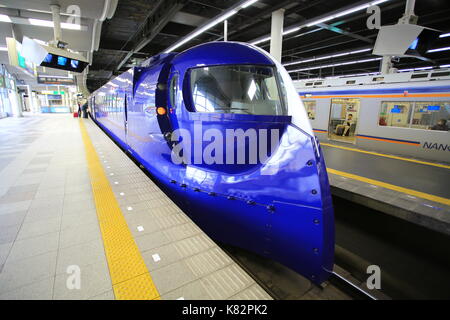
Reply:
x=243, y=89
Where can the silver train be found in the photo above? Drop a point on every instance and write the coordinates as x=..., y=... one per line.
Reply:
x=404, y=113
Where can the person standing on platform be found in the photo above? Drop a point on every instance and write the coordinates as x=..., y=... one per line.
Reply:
x=84, y=108
x=79, y=109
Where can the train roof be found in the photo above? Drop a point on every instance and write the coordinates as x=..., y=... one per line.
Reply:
x=219, y=53
x=425, y=77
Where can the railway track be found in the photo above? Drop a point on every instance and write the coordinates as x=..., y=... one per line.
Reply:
x=284, y=284
x=411, y=258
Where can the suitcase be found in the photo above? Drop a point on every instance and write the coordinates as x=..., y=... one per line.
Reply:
x=75, y=114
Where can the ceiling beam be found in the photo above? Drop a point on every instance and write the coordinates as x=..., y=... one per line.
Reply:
x=162, y=13
x=264, y=14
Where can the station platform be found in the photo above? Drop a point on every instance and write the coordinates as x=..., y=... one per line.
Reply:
x=414, y=190
x=79, y=220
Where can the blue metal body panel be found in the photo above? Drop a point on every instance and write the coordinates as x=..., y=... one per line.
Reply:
x=286, y=216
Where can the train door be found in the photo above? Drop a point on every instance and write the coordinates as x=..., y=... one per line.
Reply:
x=125, y=117
x=173, y=97
x=344, y=113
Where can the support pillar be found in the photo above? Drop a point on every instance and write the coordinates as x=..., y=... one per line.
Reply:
x=386, y=65
x=31, y=101
x=16, y=108
x=56, y=22
x=225, y=30
x=276, y=34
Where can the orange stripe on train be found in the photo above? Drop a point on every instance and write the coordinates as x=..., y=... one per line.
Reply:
x=388, y=140
x=410, y=95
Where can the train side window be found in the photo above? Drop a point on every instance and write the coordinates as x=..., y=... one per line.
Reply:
x=431, y=115
x=173, y=90
x=310, y=107
x=395, y=114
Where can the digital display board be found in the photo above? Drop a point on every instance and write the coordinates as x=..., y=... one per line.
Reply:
x=64, y=63
x=48, y=58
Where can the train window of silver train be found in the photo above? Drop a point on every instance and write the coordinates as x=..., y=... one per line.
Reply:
x=431, y=115
x=343, y=120
x=310, y=107
x=243, y=89
x=440, y=74
x=419, y=75
x=395, y=114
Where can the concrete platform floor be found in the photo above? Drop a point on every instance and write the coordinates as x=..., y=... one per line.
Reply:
x=49, y=223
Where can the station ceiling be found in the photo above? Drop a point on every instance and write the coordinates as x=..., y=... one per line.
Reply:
x=118, y=34
x=165, y=22
x=33, y=19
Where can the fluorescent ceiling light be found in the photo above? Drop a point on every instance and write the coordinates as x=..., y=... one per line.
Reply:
x=445, y=35
x=291, y=30
x=438, y=49
x=208, y=26
x=327, y=57
x=444, y=66
x=335, y=65
x=325, y=19
x=415, y=69
x=346, y=12
x=260, y=41
x=49, y=24
x=248, y=3
x=211, y=24
x=320, y=21
x=41, y=23
x=5, y=18
x=3, y=49
x=70, y=26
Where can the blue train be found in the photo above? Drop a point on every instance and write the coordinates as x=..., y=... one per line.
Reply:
x=222, y=129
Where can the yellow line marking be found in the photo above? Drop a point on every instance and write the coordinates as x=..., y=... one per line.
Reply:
x=391, y=187
x=387, y=156
x=129, y=274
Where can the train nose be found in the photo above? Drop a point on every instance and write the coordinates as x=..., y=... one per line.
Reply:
x=302, y=223
x=281, y=209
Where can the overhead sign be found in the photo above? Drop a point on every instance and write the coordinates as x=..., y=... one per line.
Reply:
x=404, y=40
x=53, y=80
x=17, y=58
x=52, y=92
x=51, y=57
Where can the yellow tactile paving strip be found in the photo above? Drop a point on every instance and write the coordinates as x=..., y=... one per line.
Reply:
x=391, y=187
x=386, y=155
x=129, y=274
